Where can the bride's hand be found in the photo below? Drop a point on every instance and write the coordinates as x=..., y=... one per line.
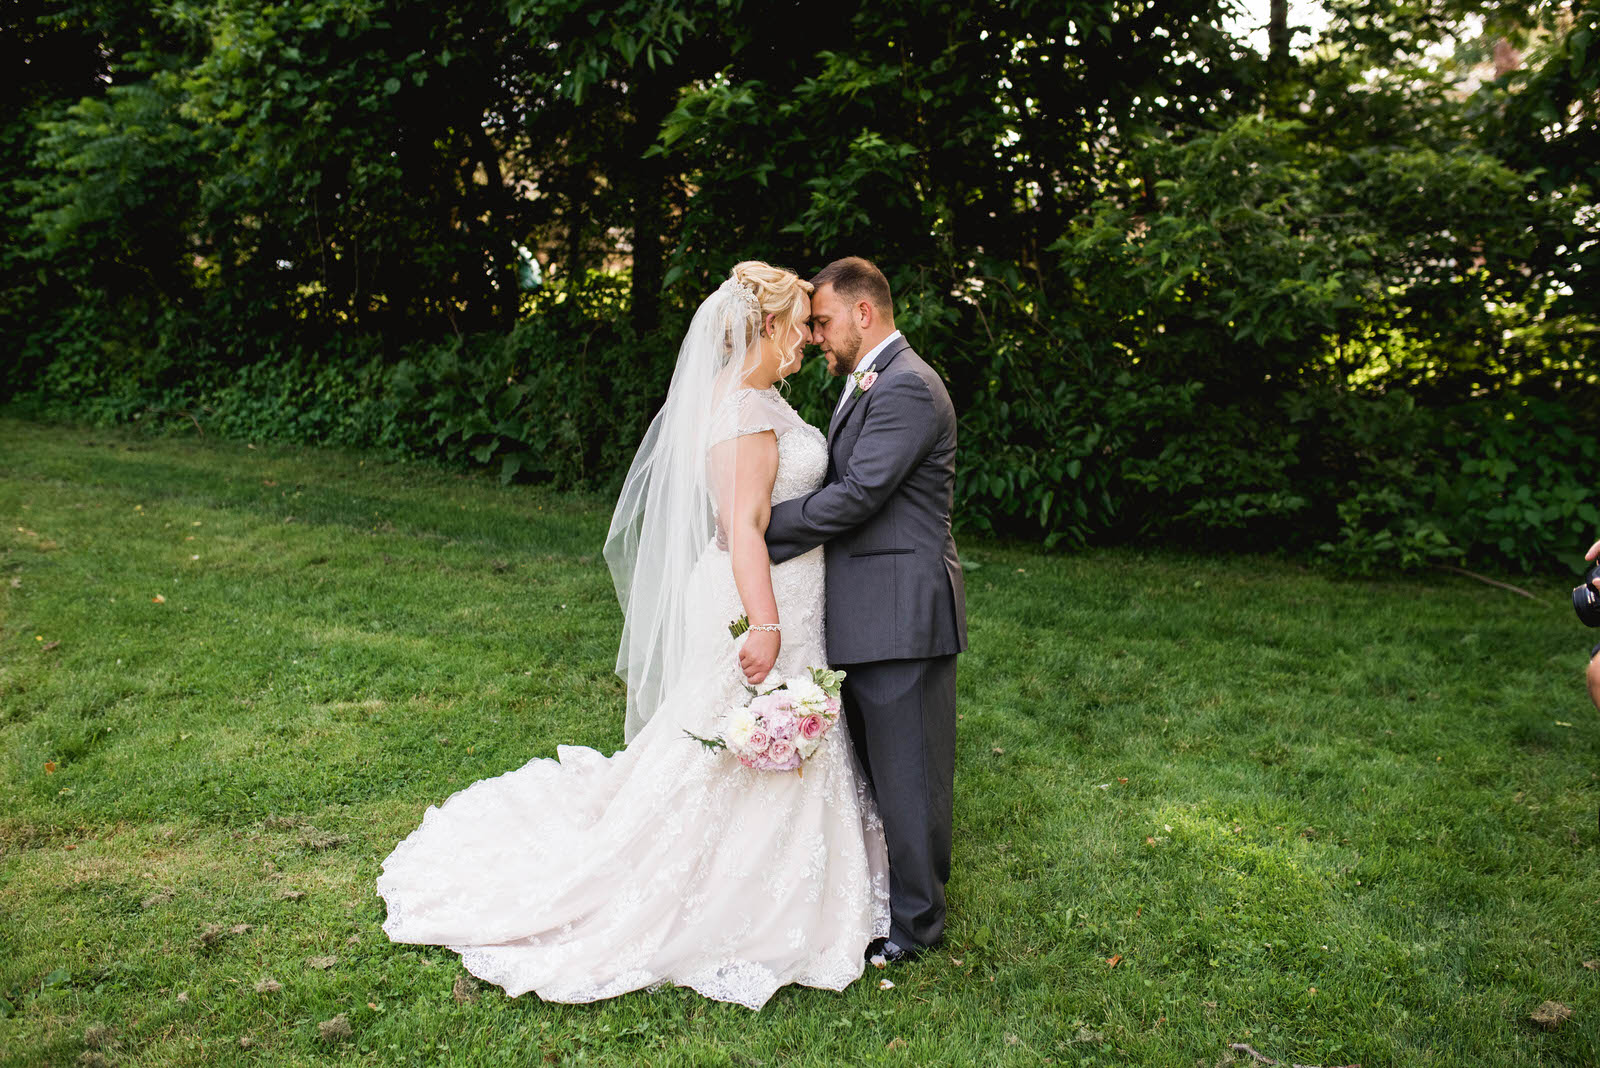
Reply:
x=758, y=653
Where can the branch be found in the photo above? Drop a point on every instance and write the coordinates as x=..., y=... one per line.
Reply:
x=1240, y=1047
x=1485, y=578
x=177, y=411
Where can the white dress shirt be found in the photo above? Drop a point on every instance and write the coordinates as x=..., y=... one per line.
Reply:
x=861, y=368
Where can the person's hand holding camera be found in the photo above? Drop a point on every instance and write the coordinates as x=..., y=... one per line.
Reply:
x=1586, y=597
x=1586, y=602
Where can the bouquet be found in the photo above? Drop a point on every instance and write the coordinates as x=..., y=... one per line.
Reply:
x=783, y=723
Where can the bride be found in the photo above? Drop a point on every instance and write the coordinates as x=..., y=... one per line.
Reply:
x=585, y=877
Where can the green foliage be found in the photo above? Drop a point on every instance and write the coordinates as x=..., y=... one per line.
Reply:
x=503, y=401
x=1268, y=261
x=526, y=403
x=1502, y=480
x=1180, y=291
x=1520, y=471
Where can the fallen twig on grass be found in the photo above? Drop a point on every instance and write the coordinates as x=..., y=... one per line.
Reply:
x=1240, y=1047
x=178, y=411
x=1486, y=578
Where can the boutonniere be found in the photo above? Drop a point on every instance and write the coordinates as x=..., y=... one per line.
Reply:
x=863, y=379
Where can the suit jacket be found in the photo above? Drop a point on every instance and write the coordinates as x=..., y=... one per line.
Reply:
x=894, y=588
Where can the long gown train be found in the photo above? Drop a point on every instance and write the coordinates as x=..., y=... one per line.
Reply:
x=587, y=876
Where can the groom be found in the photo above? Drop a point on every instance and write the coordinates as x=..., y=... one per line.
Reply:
x=896, y=605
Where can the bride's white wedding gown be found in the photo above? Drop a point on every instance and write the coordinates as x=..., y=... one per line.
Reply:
x=586, y=876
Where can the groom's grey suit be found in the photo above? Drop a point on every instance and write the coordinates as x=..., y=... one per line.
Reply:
x=896, y=613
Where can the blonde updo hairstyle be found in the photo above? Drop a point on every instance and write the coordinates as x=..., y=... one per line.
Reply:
x=780, y=293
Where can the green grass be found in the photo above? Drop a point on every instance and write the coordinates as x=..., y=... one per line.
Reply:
x=1338, y=821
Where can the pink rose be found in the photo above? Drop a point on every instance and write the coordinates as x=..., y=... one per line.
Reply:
x=867, y=380
x=780, y=751
x=759, y=740
x=811, y=727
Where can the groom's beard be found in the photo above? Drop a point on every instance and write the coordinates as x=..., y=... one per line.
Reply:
x=846, y=356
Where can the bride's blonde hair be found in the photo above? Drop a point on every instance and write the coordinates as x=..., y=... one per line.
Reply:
x=779, y=292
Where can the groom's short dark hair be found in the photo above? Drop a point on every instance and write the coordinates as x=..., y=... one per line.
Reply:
x=854, y=278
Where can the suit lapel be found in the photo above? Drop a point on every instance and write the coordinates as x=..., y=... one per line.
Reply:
x=880, y=365
x=840, y=409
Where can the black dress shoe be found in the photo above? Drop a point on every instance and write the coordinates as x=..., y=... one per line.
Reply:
x=885, y=952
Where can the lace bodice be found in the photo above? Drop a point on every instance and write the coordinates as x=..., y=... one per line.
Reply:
x=802, y=463
x=802, y=450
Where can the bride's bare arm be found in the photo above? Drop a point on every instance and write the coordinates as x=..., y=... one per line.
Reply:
x=745, y=505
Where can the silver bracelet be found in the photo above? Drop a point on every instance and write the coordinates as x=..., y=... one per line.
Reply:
x=765, y=626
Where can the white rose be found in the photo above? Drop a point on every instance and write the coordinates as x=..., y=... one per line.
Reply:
x=808, y=695
x=740, y=726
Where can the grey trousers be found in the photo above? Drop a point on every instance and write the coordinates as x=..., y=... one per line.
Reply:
x=902, y=716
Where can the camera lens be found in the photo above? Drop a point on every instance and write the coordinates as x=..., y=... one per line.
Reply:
x=1586, y=601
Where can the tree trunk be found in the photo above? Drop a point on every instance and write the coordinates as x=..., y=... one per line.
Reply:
x=648, y=255
x=573, y=218
x=653, y=99
x=502, y=211
x=1278, y=36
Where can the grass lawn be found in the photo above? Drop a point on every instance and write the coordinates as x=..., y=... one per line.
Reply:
x=1198, y=801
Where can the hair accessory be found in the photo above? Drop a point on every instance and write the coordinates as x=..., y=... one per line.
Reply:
x=741, y=293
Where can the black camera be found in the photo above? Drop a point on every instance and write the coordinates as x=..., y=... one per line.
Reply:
x=1586, y=599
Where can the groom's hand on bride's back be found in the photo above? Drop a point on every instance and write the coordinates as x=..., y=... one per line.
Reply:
x=758, y=653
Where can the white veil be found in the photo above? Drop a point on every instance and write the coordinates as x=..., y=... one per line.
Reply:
x=665, y=515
